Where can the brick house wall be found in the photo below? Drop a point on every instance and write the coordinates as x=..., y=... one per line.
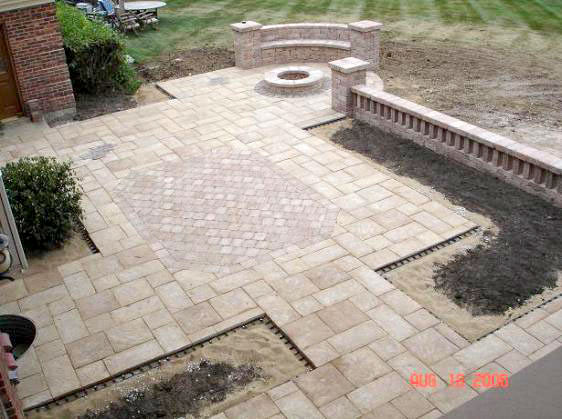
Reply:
x=36, y=48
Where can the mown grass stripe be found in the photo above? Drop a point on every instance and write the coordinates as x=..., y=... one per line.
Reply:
x=190, y=23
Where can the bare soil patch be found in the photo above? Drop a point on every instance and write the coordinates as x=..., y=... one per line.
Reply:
x=515, y=92
x=214, y=377
x=516, y=260
x=417, y=280
x=182, y=394
x=176, y=65
x=42, y=272
x=187, y=63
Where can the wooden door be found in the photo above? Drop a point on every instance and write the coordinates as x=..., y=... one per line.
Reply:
x=9, y=100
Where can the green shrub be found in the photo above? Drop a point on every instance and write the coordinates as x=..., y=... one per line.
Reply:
x=45, y=200
x=95, y=54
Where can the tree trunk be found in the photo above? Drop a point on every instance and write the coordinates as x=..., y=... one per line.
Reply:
x=121, y=6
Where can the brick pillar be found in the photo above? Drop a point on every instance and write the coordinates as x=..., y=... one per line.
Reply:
x=8, y=397
x=247, y=44
x=346, y=73
x=365, y=41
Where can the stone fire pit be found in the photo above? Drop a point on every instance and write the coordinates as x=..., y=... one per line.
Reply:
x=294, y=79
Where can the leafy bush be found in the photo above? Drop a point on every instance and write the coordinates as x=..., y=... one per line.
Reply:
x=45, y=200
x=95, y=54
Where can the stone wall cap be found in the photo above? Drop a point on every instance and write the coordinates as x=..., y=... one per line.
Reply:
x=481, y=135
x=319, y=43
x=246, y=26
x=349, y=65
x=305, y=25
x=365, y=26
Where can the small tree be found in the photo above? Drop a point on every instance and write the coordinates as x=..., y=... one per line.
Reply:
x=45, y=200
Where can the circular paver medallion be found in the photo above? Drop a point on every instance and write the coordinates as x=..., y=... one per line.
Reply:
x=220, y=211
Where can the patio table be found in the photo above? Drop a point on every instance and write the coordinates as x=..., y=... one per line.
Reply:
x=135, y=6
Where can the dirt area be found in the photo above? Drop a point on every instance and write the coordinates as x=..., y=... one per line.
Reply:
x=417, y=280
x=187, y=63
x=42, y=272
x=519, y=255
x=212, y=378
x=180, y=64
x=183, y=393
x=514, y=92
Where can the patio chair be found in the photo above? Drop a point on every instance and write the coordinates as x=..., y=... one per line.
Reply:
x=147, y=18
x=122, y=21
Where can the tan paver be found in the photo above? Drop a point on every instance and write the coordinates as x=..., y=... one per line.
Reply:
x=519, y=339
x=259, y=407
x=296, y=405
x=391, y=322
x=133, y=356
x=378, y=392
x=60, y=375
x=136, y=310
x=92, y=373
x=342, y=316
x=171, y=337
x=340, y=408
x=324, y=385
x=50, y=350
x=412, y=404
x=386, y=411
x=232, y=303
x=356, y=337
x=70, y=326
x=482, y=352
x=321, y=353
x=173, y=297
x=96, y=304
x=128, y=334
x=451, y=397
x=308, y=330
x=429, y=346
x=89, y=349
x=406, y=364
x=197, y=317
x=244, y=213
x=133, y=291
x=361, y=366
x=278, y=309
x=294, y=287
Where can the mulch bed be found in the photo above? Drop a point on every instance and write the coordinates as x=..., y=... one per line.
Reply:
x=522, y=260
x=187, y=63
x=180, y=64
x=184, y=394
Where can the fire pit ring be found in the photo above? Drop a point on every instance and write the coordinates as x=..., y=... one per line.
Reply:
x=293, y=79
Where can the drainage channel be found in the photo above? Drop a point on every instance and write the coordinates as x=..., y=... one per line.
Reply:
x=86, y=237
x=162, y=360
x=424, y=252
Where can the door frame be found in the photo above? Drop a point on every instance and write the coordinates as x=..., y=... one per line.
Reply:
x=3, y=35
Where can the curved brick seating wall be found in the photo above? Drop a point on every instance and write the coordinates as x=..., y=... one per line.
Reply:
x=256, y=45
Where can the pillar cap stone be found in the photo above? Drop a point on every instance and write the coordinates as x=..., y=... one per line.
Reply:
x=246, y=26
x=365, y=26
x=349, y=65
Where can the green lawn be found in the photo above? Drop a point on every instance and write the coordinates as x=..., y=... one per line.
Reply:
x=190, y=23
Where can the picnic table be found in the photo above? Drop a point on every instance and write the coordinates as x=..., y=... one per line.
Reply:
x=137, y=6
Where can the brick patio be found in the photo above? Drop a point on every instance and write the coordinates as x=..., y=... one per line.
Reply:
x=215, y=207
